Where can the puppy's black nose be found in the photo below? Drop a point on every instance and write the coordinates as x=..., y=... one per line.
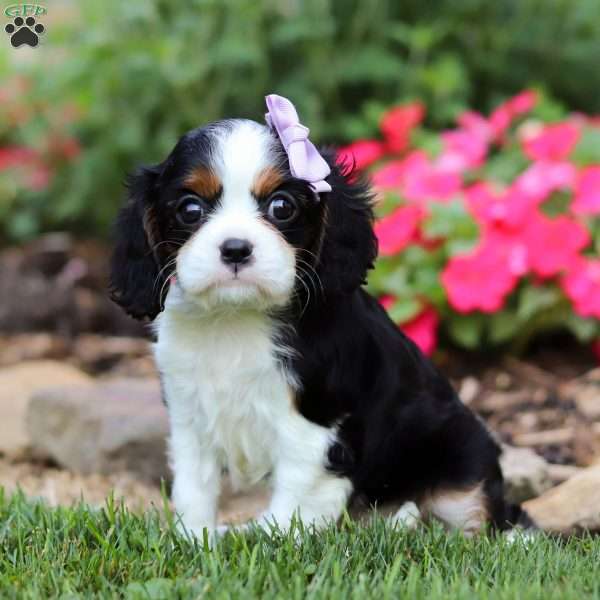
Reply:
x=235, y=251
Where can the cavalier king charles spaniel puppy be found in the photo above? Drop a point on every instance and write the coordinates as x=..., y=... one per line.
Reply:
x=249, y=249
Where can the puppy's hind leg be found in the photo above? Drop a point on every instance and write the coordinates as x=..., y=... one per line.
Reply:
x=464, y=509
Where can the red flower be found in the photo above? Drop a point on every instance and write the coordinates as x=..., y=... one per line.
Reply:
x=581, y=284
x=398, y=229
x=398, y=122
x=422, y=330
x=587, y=192
x=361, y=154
x=32, y=172
x=14, y=156
x=478, y=281
x=553, y=142
x=554, y=244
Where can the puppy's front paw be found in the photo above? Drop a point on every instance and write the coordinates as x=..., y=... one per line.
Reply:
x=197, y=530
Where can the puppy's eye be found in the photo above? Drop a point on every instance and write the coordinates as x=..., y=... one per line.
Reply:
x=282, y=207
x=190, y=210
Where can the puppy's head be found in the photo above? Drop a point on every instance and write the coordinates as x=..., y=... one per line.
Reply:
x=223, y=220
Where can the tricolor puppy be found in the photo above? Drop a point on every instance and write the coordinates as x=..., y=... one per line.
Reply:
x=248, y=249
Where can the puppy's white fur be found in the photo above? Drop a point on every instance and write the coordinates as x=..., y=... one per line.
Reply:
x=231, y=403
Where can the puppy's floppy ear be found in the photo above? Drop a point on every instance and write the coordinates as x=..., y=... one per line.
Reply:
x=349, y=246
x=134, y=279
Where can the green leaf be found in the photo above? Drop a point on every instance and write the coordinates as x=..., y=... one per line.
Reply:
x=466, y=330
x=585, y=330
x=587, y=150
x=502, y=326
x=449, y=220
x=404, y=309
x=535, y=299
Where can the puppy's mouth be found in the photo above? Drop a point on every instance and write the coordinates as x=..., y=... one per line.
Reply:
x=237, y=288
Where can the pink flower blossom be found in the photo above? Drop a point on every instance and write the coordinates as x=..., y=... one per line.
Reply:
x=428, y=181
x=524, y=102
x=542, y=178
x=553, y=142
x=554, y=244
x=387, y=301
x=587, y=192
x=462, y=150
x=422, y=330
x=361, y=154
x=502, y=117
x=398, y=122
x=581, y=284
x=393, y=174
x=509, y=248
x=398, y=229
x=478, y=281
x=508, y=209
x=476, y=124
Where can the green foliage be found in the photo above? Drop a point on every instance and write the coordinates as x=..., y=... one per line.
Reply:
x=82, y=552
x=142, y=73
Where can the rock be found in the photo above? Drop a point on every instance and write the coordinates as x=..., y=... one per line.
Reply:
x=17, y=384
x=525, y=473
x=585, y=392
x=560, y=473
x=572, y=506
x=469, y=390
x=117, y=425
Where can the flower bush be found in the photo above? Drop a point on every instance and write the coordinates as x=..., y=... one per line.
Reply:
x=489, y=233
x=30, y=163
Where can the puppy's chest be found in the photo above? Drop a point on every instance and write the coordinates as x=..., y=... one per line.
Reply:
x=223, y=376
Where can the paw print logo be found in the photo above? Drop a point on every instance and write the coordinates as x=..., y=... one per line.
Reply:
x=24, y=31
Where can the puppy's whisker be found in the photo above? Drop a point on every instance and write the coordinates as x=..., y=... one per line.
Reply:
x=312, y=271
x=170, y=263
x=307, y=294
x=172, y=242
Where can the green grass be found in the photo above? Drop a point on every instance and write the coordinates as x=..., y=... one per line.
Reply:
x=73, y=552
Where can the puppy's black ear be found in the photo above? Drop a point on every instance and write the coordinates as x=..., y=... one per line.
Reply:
x=349, y=246
x=135, y=270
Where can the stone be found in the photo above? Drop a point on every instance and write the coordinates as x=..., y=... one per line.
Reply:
x=572, y=506
x=585, y=392
x=115, y=425
x=17, y=384
x=526, y=474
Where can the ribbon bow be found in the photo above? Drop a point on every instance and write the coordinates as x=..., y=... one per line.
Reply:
x=305, y=160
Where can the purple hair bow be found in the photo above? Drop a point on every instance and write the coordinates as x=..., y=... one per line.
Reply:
x=305, y=160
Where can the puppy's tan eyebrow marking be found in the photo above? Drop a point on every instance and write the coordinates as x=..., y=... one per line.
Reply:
x=266, y=182
x=204, y=182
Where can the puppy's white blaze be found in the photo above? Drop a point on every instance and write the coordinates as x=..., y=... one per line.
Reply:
x=240, y=154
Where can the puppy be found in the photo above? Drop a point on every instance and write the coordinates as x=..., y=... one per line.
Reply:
x=248, y=249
